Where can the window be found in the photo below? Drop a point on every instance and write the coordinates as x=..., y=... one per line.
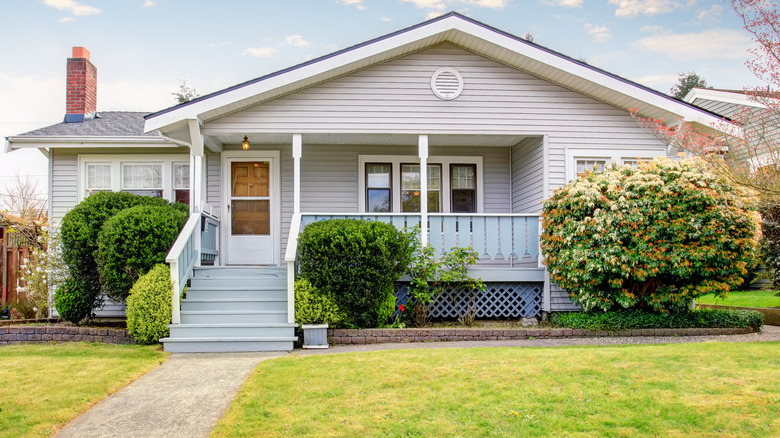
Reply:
x=410, y=188
x=581, y=160
x=161, y=176
x=98, y=178
x=464, y=188
x=181, y=183
x=584, y=165
x=635, y=162
x=378, y=188
x=392, y=183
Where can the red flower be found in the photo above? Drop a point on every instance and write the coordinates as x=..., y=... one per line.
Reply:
x=401, y=307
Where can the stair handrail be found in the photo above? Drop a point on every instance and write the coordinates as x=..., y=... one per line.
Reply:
x=290, y=254
x=182, y=258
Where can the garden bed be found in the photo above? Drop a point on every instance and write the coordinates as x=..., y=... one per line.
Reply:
x=771, y=315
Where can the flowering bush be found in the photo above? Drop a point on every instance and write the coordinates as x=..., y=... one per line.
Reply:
x=652, y=237
x=42, y=269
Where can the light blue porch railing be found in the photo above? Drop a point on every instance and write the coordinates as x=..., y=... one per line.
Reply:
x=197, y=240
x=509, y=238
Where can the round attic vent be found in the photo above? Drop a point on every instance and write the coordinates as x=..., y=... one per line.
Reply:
x=447, y=83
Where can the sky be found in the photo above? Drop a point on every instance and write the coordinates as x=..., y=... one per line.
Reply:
x=144, y=49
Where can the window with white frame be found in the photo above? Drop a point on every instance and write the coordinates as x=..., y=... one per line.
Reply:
x=162, y=176
x=393, y=184
x=581, y=160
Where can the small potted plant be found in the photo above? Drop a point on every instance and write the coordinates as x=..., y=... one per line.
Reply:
x=314, y=311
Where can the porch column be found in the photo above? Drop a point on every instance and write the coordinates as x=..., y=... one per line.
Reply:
x=422, y=146
x=296, y=153
x=196, y=161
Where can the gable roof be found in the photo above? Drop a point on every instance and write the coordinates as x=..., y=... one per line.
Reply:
x=454, y=28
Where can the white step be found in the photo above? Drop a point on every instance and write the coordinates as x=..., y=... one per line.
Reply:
x=232, y=330
x=233, y=316
x=229, y=293
x=250, y=282
x=238, y=271
x=215, y=304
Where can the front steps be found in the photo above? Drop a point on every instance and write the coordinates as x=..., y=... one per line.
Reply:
x=233, y=309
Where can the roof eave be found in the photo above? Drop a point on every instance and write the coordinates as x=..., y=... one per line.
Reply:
x=37, y=142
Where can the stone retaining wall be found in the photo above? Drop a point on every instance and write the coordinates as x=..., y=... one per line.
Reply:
x=45, y=334
x=379, y=336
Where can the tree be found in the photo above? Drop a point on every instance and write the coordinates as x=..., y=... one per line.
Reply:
x=687, y=82
x=24, y=198
x=651, y=237
x=186, y=92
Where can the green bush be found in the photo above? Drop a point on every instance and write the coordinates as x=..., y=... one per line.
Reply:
x=358, y=263
x=627, y=319
x=315, y=307
x=79, y=232
x=71, y=303
x=149, y=306
x=132, y=241
x=652, y=237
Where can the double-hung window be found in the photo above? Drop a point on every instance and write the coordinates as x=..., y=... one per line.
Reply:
x=582, y=160
x=143, y=179
x=410, y=188
x=98, y=178
x=379, y=192
x=162, y=176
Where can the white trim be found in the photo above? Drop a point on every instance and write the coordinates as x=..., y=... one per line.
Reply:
x=610, y=155
x=276, y=218
x=116, y=162
x=722, y=96
x=395, y=162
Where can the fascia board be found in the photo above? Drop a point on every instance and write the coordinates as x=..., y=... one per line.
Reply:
x=86, y=142
x=722, y=96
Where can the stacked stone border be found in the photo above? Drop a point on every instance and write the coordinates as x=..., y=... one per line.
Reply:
x=46, y=334
x=380, y=336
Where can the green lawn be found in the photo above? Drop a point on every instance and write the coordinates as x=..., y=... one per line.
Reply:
x=46, y=386
x=749, y=298
x=677, y=390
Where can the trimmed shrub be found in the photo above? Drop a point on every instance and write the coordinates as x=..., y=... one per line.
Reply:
x=71, y=303
x=652, y=237
x=79, y=232
x=132, y=241
x=149, y=306
x=627, y=319
x=357, y=262
x=315, y=307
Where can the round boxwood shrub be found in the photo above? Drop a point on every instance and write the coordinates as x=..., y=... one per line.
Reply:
x=313, y=306
x=71, y=303
x=357, y=262
x=149, y=306
x=652, y=237
x=132, y=241
x=80, y=228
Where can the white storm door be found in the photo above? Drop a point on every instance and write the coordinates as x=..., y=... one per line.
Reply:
x=251, y=210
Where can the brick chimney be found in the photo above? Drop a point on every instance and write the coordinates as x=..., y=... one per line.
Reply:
x=81, y=92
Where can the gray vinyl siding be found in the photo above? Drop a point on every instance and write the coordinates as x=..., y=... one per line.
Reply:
x=64, y=183
x=528, y=176
x=559, y=300
x=395, y=98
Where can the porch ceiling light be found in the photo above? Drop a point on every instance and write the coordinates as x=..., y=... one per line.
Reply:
x=245, y=144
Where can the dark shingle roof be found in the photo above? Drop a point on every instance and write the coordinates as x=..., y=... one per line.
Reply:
x=105, y=124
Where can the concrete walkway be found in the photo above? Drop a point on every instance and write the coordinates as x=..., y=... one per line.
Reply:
x=189, y=393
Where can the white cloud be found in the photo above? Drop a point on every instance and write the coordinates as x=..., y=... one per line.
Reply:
x=296, y=40
x=441, y=6
x=564, y=3
x=356, y=3
x=711, y=14
x=632, y=8
x=653, y=28
x=66, y=20
x=600, y=33
x=708, y=44
x=260, y=52
x=149, y=4
x=386, y=19
x=71, y=6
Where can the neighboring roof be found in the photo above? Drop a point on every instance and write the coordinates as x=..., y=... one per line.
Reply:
x=105, y=124
x=459, y=30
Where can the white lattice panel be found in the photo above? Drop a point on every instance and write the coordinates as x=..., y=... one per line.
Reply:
x=499, y=300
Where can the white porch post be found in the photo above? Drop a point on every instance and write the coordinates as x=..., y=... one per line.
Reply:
x=296, y=153
x=423, y=153
x=197, y=180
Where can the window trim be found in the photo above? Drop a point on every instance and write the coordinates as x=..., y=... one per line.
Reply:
x=610, y=155
x=401, y=187
x=396, y=160
x=116, y=162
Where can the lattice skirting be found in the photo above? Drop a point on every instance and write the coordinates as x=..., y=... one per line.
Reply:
x=499, y=300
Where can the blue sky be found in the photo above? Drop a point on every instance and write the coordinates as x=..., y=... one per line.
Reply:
x=144, y=48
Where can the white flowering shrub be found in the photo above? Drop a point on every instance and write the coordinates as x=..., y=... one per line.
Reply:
x=41, y=272
x=652, y=237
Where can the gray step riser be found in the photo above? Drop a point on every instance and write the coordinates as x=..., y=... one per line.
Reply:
x=233, y=305
x=230, y=332
x=216, y=318
x=216, y=283
x=226, y=346
x=238, y=272
x=238, y=294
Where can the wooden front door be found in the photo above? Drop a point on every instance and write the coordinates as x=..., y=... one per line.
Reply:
x=250, y=240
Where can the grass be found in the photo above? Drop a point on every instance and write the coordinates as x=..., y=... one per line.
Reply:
x=677, y=390
x=46, y=386
x=747, y=298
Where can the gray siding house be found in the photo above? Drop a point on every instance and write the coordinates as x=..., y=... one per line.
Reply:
x=476, y=123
